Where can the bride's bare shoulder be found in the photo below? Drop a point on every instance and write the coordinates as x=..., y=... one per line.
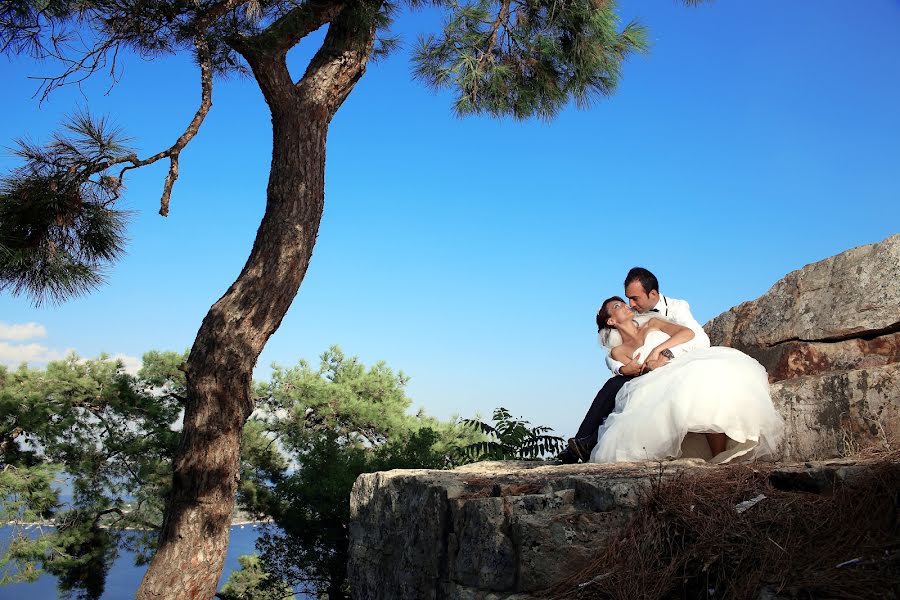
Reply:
x=621, y=353
x=652, y=323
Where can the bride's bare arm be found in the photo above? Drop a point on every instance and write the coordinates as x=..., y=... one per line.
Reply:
x=678, y=334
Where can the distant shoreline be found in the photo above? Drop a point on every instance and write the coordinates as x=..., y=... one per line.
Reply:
x=51, y=523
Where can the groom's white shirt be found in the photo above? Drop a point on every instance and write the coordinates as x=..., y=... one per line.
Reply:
x=677, y=311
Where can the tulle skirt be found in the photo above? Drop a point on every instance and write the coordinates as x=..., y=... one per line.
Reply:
x=664, y=413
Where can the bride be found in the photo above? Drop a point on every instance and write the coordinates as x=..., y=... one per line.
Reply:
x=711, y=403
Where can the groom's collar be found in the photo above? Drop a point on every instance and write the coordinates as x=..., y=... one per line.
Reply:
x=662, y=307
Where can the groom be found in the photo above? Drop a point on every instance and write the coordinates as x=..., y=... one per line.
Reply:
x=642, y=291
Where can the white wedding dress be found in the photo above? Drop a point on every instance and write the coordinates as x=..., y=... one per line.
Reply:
x=664, y=413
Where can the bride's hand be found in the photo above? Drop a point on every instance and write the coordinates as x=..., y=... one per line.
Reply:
x=653, y=356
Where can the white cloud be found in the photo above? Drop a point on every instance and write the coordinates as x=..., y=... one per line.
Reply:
x=38, y=355
x=34, y=354
x=132, y=364
x=22, y=331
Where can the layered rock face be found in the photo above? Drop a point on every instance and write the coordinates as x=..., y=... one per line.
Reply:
x=837, y=314
x=488, y=530
x=829, y=337
x=839, y=413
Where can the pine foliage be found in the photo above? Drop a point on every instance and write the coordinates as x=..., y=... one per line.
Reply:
x=335, y=422
x=527, y=58
x=252, y=582
x=104, y=436
x=58, y=230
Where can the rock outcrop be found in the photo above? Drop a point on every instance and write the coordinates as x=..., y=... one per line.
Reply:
x=502, y=528
x=510, y=530
x=838, y=314
x=829, y=337
x=839, y=413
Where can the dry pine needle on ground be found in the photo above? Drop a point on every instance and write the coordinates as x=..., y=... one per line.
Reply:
x=689, y=541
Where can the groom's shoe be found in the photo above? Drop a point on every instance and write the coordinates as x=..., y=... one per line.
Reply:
x=567, y=457
x=580, y=448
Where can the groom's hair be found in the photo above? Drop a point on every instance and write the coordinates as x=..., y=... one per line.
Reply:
x=648, y=280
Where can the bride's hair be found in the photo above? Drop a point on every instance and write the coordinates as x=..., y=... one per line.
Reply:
x=610, y=336
x=603, y=313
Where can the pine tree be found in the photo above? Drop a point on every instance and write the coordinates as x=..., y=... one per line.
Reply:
x=59, y=225
x=107, y=436
x=335, y=423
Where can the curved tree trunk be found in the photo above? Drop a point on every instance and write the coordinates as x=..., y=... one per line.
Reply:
x=194, y=536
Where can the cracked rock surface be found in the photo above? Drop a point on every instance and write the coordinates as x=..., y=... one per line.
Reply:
x=840, y=313
x=829, y=337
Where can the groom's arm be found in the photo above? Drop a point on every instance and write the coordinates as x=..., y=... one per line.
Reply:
x=613, y=364
x=610, y=339
x=681, y=314
x=618, y=368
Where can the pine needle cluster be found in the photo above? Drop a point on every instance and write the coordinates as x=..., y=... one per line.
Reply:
x=527, y=57
x=58, y=227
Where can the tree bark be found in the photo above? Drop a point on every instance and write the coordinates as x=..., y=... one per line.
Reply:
x=194, y=537
x=336, y=590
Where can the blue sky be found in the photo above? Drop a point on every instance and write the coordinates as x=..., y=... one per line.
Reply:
x=472, y=254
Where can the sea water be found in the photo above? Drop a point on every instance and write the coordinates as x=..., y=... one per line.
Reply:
x=124, y=577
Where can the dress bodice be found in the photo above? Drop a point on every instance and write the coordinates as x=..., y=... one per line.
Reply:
x=654, y=338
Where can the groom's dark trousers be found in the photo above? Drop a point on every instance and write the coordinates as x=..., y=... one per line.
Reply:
x=602, y=406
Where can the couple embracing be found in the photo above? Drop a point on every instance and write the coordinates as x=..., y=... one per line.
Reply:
x=672, y=395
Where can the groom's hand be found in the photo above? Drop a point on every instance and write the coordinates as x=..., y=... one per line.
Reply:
x=632, y=368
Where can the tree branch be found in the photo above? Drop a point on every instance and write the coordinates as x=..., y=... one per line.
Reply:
x=173, y=153
x=181, y=398
x=217, y=10
x=89, y=63
x=123, y=514
x=502, y=19
x=266, y=52
x=286, y=32
x=341, y=60
x=10, y=437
